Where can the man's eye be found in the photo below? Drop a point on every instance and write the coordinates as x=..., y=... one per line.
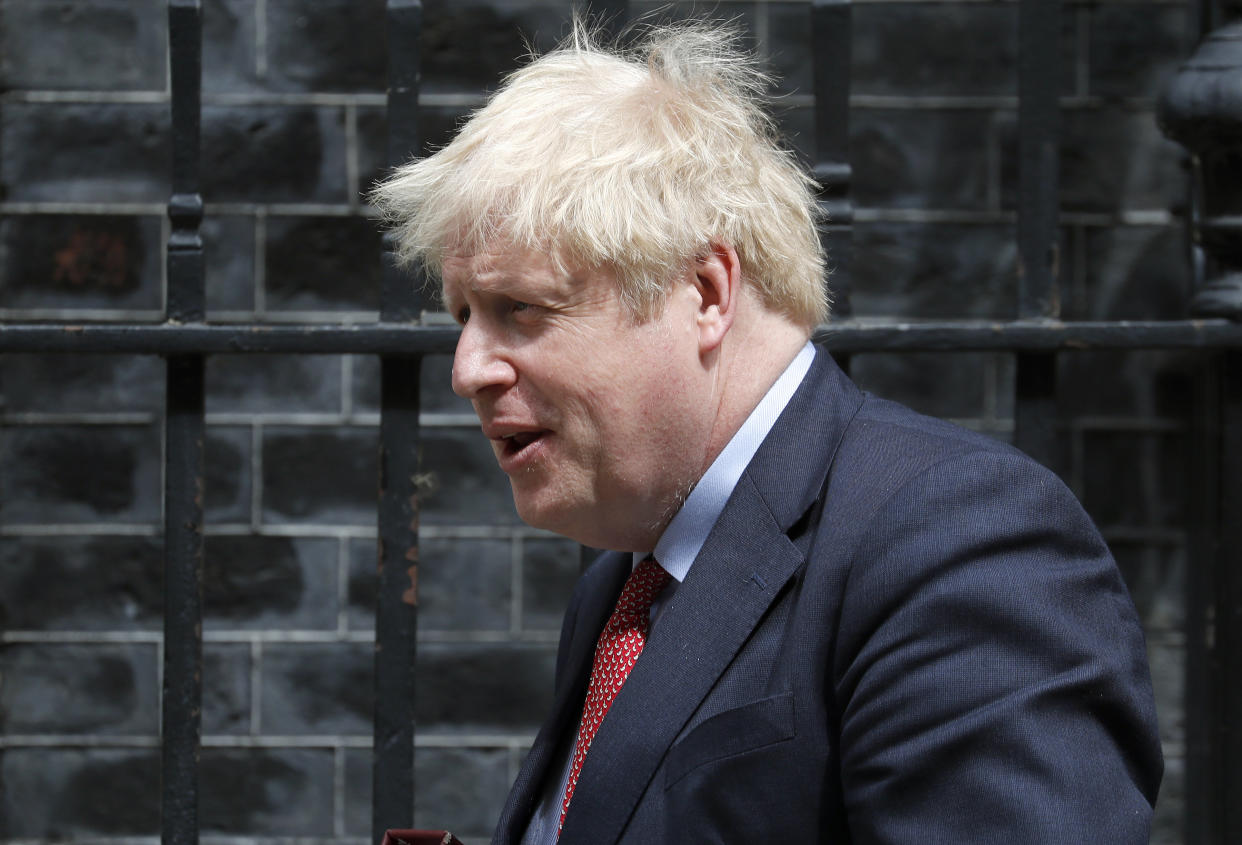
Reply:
x=521, y=306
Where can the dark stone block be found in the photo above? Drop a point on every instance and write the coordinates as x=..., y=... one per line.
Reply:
x=464, y=482
x=316, y=475
x=550, y=568
x=463, y=585
x=436, y=127
x=83, y=383
x=81, y=583
x=469, y=45
x=273, y=383
x=791, y=53
x=1156, y=578
x=458, y=789
x=97, y=261
x=329, y=688
x=266, y=792
x=323, y=263
x=915, y=48
x=273, y=154
x=319, y=688
x=948, y=384
x=934, y=271
x=1110, y=159
x=104, y=44
x=78, y=152
x=270, y=582
x=52, y=793
x=79, y=474
x=436, y=385
x=1133, y=479
x=327, y=45
x=226, y=492
x=905, y=159
x=1166, y=655
x=229, y=45
x=1139, y=383
x=1135, y=47
x=73, y=689
x=226, y=688
x=228, y=250
x=1135, y=273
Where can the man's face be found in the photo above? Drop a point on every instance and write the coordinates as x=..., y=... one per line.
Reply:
x=594, y=416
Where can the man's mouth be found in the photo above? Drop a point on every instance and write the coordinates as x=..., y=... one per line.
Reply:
x=514, y=444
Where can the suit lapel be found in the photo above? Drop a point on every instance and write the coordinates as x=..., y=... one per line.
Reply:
x=600, y=587
x=744, y=564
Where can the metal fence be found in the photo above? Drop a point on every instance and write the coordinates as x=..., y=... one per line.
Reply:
x=1035, y=336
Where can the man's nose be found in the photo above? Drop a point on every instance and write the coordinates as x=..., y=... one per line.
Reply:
x=480, y=363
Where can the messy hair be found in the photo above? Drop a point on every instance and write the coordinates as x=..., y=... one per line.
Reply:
x=634, y=160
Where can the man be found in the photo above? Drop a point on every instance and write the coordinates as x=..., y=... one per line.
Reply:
x=826, y=618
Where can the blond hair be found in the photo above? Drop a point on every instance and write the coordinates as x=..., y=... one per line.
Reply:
x=636, y=161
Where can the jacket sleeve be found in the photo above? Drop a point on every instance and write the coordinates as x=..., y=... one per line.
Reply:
x=990, y=671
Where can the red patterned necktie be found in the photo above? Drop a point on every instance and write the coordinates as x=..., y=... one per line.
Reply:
x=617, y=650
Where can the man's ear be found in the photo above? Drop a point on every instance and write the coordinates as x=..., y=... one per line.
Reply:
x=718, y=278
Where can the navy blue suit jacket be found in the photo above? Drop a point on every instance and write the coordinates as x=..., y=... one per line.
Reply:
x=898, y=631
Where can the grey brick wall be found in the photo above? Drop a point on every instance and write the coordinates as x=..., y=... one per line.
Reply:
x=294, y=130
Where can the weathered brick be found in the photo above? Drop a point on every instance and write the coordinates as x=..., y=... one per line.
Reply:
x=914, y=48
x=1135, y=47
x=550, y=569
x=316, y=688
x=436, y=127
x=791, y=53
x=273, y=383
x=1166, y=653
x=53, y=793
x=1168, y=822
x=323, y=263
x=468, y=45
x=229, y=45
x=326, y=45
x=1135, y=273
x=1156, y=578
x=436, y=385
x=107, y=689
x=1116, y=383
x=458, y=789
x=85, y=152
x=84, y=383
x=933, y=159
x=273, y=154
x=226, y=458
x=463, y=585
x=69, y=261
x=466, y=484
x=79, y=474
x=1134, y=479
x=317, y=475
x=264, y=582
x=1110, y=159
x=81, y=583
x=228, y=252
x=266, y=792
x=948, y=384
x=934, y=270
x=104, y=44
x=226, y=688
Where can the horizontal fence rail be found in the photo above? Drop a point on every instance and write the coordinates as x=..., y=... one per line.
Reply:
x=408, y=339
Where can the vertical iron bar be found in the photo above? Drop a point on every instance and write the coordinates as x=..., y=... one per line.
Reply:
x=831, y=36
x=183, y=446
x=1038, y=296
x=396, y=612
x=1227, y=564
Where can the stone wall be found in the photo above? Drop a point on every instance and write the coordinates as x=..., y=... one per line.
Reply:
x=293, y=131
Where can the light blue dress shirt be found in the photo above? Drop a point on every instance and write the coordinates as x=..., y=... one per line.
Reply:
x=681, y=541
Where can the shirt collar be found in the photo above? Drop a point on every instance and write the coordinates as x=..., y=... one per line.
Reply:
x=681, y=541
